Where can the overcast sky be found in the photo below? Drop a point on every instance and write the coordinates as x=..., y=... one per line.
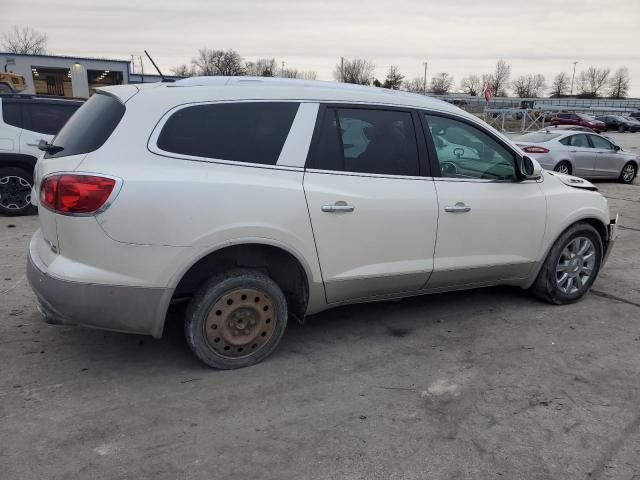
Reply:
x=461, y=37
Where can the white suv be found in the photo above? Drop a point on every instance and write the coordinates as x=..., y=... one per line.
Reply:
x=24, y=121
x=258, y=200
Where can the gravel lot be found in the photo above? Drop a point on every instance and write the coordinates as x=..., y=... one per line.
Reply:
x=480, y=384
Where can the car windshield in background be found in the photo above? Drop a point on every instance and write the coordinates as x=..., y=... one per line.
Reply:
x=538, y=137
x=89, y=127
x=586, y=117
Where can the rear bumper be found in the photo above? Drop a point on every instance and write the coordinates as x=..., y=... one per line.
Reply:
x=108, y=307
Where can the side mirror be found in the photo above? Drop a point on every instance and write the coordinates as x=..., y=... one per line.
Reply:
x=528, y=169
x=617, y=148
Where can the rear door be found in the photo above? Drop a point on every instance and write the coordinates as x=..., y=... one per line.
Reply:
x=373, y=209
x=582, y=154
x=11, y=125
x=608, y=163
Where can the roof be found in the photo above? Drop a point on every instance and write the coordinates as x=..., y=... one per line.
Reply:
x=68, y=57
x=221, y=88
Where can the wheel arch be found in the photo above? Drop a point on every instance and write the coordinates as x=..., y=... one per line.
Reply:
x=595, y=222
x=284, y=266
x=19, y=160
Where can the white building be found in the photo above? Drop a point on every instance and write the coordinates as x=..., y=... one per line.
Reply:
x=70, y=76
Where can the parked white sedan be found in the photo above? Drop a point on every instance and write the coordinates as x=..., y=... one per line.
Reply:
x=582, y=154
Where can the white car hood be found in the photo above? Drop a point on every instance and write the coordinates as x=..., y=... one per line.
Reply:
x=572, y=181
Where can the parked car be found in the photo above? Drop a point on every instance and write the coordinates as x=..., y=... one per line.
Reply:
x=586, y=155
x=619, y=123
x=581, y=119
x=258, y=200
x=635, y=115
x=634, y=121
x=572, y=128
x=24, y=121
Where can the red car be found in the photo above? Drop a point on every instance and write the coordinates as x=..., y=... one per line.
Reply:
x=581, y=119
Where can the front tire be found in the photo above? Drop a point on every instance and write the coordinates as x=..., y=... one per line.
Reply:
x=15, y=192
x=236, y=319
x=628, y=173
x=563, y=167
x=571, y=266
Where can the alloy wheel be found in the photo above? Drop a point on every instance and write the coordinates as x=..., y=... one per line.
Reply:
x=15, y=192
x=628, y=173
x=563, y=168
x=575, y=265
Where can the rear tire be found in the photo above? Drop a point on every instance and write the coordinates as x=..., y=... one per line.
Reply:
x=236, y=319
x=15, y=191
x=563, y=167
x=571, y=266
x=628, y=173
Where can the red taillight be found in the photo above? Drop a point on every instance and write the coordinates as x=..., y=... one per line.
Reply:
x=69, y=193
x=532, y=149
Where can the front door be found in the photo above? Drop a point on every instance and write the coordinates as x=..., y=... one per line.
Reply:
x=373, y=213
x=490, y=226
x=607, y=161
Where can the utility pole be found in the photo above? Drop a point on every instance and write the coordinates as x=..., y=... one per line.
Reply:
x=342, y=69
x=572, y=77
x=424, y=85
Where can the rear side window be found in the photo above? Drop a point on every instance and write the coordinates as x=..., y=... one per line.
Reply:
x=366, y=141
x=251, y=132
x=12, y=114
x=89, y=127
x=47, y=118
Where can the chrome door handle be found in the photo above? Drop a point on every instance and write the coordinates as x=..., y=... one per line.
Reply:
x=459, y=207
x=338, y=207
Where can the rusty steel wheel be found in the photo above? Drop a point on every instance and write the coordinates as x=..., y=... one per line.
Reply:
x=236, y=319
x=240, y=322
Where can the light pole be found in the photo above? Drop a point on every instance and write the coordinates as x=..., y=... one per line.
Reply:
x=572, y=77
x=424, y=85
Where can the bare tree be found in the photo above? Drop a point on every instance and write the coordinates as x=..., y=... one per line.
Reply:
x=262, y=67
x=592, y=81
x=471, y=85
x=24, y=40
x=619, y=83
x=310, y=75
x=441, y=83
x=218, y=62
x=499, y=79
x=357, y=71
x=528, y=86
x=394, y=78
x=415, y=85
x=183, y=70
x=560, y=85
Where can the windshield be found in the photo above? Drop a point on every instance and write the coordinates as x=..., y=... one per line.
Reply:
x=586, y=117
x=538, y=137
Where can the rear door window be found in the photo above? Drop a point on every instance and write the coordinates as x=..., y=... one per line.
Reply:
x=47, y=118
x=360, y=140
x=89, y=127
x=251, y=132
x=580, y=141
x=12, y=113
